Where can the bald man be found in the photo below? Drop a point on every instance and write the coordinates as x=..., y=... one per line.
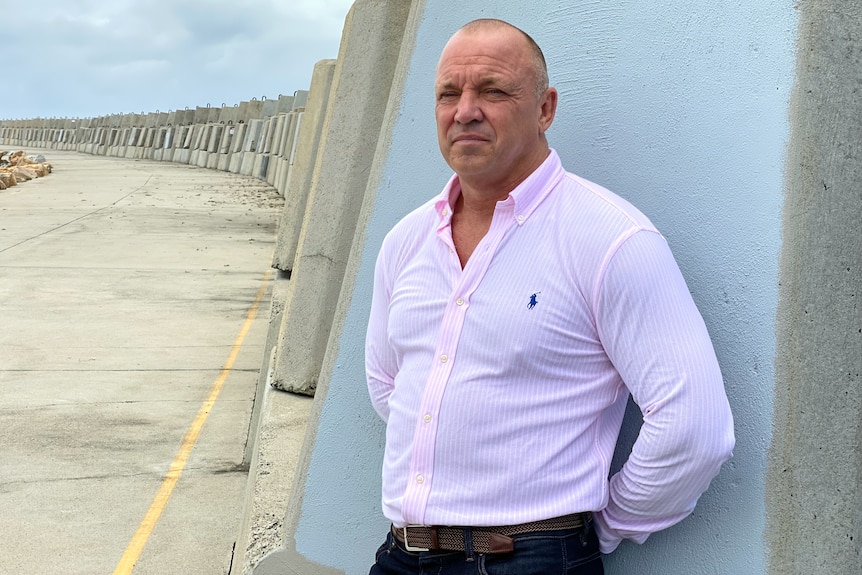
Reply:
x=512, y=316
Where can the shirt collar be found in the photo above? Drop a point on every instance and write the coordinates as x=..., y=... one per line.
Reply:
x=526, y=197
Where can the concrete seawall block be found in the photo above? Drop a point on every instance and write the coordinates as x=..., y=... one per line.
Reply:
x=235, y=162
x=300, y=99
x=226, y=139
x=201, y=115
x=253, y=133
x=182, y=156
x=369, y=52
x=247, y=166
x=269, y=108
x=223, y=162
x=289, y=161
x=305, y=156
x=261, y=163
x=254, y=110
x=281, y=120
x=285, y=104
x=228, y=114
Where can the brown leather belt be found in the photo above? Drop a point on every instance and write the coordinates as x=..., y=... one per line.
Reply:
x=485, y=539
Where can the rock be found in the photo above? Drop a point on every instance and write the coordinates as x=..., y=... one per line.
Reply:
x=8, y=179
x=16, y=167
x=23, y=174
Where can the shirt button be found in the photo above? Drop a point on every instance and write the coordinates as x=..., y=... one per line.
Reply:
x=521, y=219
x=444, y=358
x=445, y=213
x=427, y=418
x=420, y=479
x=459, y=301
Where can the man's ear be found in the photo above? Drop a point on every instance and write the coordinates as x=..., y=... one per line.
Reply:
x=547, y=109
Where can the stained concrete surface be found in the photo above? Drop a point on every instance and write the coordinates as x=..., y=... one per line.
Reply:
x=124, y=285
x=814, y=479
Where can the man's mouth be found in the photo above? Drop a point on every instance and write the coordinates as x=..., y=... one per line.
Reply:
x=469, y=138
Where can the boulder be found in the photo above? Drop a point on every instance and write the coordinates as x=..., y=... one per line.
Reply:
x=23, y=174
x=8, y=178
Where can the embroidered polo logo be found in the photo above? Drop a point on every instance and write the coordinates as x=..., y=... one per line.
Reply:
x=533, y=300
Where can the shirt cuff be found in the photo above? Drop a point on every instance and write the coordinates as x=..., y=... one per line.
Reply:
x=608, y=538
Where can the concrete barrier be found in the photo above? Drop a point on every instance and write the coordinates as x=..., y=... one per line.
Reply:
x=363, y=74
x=295, y=181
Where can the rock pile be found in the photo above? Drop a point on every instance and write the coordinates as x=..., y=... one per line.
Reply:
x=16, y=167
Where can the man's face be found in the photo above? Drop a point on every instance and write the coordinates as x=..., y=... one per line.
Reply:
x=490, y=121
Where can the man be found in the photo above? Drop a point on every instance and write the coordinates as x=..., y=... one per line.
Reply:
x=512, y=316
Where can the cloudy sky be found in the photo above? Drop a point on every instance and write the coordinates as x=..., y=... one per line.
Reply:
x=82, y=58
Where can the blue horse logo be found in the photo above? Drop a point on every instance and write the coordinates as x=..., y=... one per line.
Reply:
x=533, y=300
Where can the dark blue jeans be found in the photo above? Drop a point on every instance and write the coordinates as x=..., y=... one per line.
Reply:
x=546, y=553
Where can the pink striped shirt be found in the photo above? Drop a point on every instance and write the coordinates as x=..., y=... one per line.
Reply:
x=503, y=385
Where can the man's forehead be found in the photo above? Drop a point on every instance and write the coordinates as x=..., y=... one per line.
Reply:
x=488, y=55
x=456, y=77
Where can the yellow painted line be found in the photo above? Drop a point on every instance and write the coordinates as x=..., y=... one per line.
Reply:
x=139, y=540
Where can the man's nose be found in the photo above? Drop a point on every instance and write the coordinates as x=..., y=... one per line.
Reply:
x=468, y=109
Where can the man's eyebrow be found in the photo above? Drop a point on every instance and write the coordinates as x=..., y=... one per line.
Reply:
x=483, y=83
x=445, y=85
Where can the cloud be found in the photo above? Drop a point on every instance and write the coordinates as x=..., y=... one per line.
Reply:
x=80, y=58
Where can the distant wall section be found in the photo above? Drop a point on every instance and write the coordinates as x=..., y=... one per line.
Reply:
x=255, y=138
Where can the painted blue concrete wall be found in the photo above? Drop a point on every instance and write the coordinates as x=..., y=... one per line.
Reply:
x=681, y=107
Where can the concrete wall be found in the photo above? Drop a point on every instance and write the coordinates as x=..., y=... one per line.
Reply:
x=815, y=466
x=686, y=112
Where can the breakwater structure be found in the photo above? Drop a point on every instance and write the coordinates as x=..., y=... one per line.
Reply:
x=736, y=129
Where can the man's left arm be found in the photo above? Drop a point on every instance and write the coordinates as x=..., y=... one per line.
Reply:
x=657, y=340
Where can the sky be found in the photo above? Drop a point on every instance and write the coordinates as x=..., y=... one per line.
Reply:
x=85, y=58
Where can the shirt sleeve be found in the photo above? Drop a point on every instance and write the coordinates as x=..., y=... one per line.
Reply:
x=380, y=359
x=658, y=342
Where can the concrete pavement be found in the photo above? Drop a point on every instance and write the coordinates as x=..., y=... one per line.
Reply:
x=126, y=286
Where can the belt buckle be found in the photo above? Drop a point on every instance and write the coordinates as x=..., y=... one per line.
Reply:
x=407, y=544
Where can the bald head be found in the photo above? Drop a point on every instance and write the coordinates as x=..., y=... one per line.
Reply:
x=539, y=66
x=493, y=107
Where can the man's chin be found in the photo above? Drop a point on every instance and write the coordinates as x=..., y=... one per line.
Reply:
x=469, y=159
x=470, y=167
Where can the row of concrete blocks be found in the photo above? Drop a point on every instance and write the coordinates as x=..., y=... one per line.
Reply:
x=242, y=112
x=256, y=138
